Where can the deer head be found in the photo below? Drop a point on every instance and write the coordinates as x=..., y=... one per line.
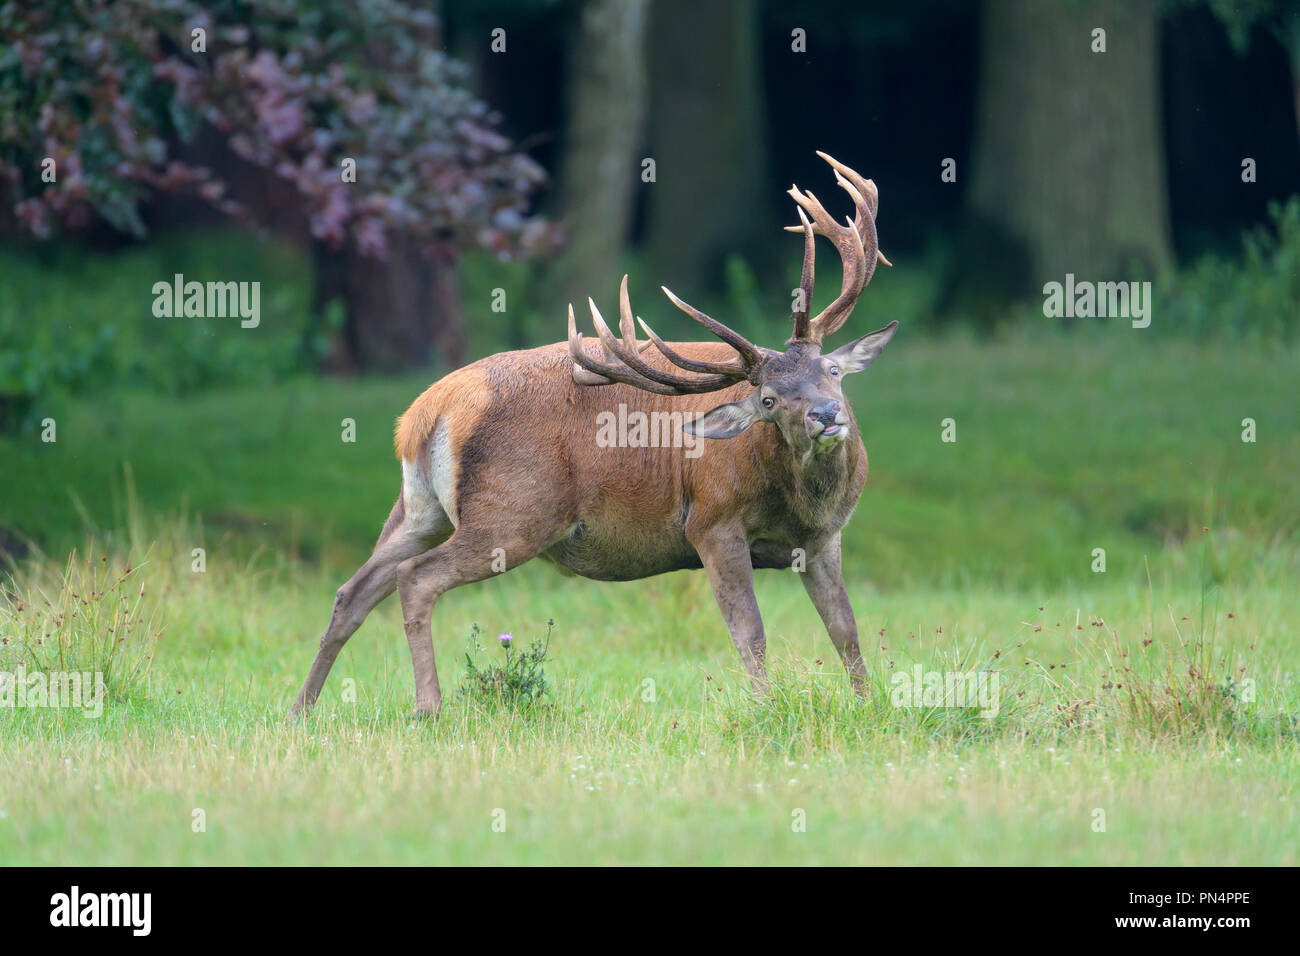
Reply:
x=798, y=389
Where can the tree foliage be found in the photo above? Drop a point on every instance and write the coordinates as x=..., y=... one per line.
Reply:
x=111, y=91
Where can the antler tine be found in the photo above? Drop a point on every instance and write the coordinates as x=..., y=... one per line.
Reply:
x=866, y=187
x=625, y=326
x=627, y=366
x=734, y=369
x=642, y=369
x=749, y=352
x=590, y=371
x=806, y=278
x=856, y=242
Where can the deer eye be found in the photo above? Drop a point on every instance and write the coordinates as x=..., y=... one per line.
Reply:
x=835, y=371
x=769, y=402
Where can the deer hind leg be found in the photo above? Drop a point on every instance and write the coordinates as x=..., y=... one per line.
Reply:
x=469, y=555
x=403, y=537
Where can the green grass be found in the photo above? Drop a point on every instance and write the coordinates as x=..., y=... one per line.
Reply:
x=700, y=773
x=1065, y=443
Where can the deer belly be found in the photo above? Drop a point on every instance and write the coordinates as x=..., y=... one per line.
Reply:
x=607, y=552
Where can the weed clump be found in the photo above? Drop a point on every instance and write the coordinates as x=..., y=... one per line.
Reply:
x=517, y=683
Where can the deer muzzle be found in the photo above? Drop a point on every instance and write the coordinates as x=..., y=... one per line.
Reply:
x=827, y=422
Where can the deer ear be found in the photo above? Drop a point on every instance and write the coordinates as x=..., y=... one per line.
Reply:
x=725, y=421
x=860, y=353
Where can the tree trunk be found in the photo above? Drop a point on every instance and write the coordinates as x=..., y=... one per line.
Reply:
x=396, y=313
x=707, y=140
x=600, y=170
x=1291, y=40
x=400, y=312
x=449, y=339
x=1067, y=155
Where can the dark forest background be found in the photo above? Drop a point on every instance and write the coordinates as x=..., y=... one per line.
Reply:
x=1122, y=164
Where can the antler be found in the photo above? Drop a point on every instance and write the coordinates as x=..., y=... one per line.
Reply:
x=856, y=241
x=624, y=363
x=859, y=251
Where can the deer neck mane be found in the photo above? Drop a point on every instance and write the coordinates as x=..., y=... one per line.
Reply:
x=814, y=484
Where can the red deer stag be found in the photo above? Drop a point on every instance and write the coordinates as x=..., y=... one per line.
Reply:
x=501, y=464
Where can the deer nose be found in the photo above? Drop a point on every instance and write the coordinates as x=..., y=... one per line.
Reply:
x=826, y=414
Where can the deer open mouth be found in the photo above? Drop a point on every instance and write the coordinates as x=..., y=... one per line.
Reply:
x=832, y=433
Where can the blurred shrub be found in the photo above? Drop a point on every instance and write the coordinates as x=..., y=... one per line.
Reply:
x=37, y=359
x=1258, y=297
x=73, y=322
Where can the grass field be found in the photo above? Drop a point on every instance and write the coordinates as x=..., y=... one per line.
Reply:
x=1146, y=715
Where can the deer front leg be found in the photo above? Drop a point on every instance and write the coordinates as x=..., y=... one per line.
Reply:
x=725, y=556
x=824, y=582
